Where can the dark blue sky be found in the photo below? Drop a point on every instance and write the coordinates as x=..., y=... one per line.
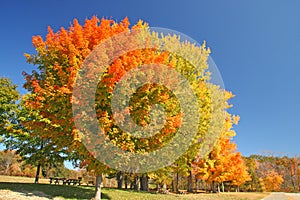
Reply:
x=255, y=44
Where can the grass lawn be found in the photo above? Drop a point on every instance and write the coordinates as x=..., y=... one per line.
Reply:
x=26, y=186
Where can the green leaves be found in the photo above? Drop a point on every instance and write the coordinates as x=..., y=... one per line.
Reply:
x=8, y=107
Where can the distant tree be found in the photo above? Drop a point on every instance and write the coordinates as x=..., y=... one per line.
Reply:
x=252, y=165
x=272, y=181
x=7, y=159
x=288, y=168
x=29, y=170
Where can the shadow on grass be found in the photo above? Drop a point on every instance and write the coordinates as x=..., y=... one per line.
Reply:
x=51, y=191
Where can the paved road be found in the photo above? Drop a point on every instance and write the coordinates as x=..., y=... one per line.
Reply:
x=283, y=196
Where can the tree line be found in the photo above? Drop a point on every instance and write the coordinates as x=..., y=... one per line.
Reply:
x=12, y=164
x=273, y=173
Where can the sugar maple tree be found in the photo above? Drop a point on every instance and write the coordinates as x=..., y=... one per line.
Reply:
x=60, y=57
x=223, y=163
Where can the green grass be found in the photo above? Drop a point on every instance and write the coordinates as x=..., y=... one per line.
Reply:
x=65, y=191
x=87, y=192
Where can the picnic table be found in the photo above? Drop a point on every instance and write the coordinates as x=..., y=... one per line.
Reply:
x=72, y=180
x=65, y=181
x=56, y=180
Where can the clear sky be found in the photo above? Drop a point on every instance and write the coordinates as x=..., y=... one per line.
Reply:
x=255, y=44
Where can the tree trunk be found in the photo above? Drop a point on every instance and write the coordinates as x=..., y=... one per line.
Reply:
x=120, y=179
x=126, y=181
x=7, y=168
x=164, y=186
x=293, y=182
x=98, y=187
x=131, y=184
x=144, y=182
x=173, y=186
x=214, y=187
x=177, y=181
x=36, y=181
x=190, y=182
x=237, y=188
x=136, y=183
x=222, y=186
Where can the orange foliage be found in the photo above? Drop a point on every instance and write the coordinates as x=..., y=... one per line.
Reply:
x=223, y=162
x=272, y=181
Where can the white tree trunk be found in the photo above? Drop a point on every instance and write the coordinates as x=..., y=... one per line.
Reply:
x=222, y=186
x=98, y=187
